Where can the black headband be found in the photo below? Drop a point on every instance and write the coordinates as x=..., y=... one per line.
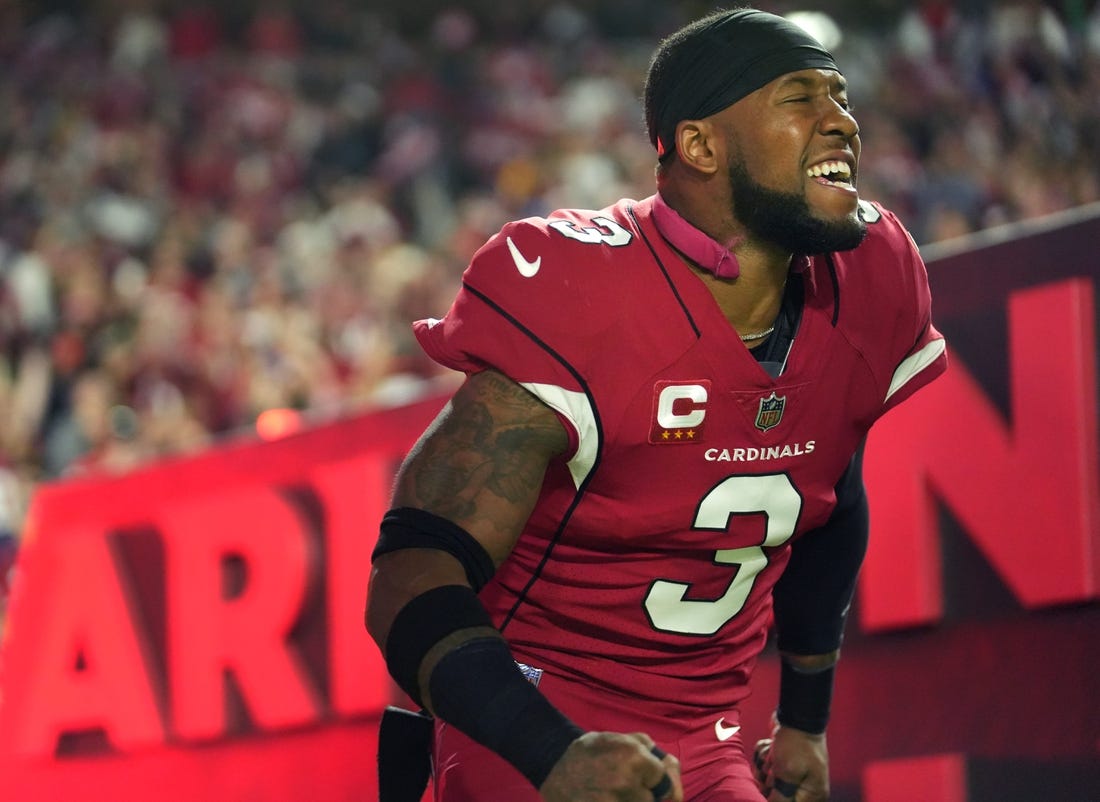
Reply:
x=719, y=59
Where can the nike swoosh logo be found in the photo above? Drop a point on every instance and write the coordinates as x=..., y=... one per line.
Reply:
x=526, y=269
x=723, y=732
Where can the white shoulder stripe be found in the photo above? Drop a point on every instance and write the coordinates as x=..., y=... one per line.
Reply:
x=913, y=364
x=578, y=411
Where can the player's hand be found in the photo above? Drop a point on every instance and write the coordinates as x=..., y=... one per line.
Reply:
x=792, y=766
x=613, y=767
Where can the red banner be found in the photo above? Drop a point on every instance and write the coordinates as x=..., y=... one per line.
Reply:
x=196, y=627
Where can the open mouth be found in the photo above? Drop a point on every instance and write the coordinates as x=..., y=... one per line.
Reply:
x=833, y=173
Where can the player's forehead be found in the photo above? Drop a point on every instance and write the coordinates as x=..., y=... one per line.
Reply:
x=809, y=79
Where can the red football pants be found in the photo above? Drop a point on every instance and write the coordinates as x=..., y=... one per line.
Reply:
x=711, y=752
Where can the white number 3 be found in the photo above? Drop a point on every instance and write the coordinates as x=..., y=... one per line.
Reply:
x=776, y=498
x=608, y=233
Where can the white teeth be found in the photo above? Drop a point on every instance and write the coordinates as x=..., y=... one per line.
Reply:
x=837, y=168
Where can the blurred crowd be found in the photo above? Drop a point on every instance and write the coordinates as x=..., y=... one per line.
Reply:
x=210, y=211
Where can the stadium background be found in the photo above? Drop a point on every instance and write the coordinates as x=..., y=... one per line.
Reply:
x=216, y=221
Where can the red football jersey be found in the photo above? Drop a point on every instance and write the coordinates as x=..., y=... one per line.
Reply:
x=647, y=566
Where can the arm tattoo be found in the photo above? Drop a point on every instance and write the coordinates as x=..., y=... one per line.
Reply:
x=496, y=439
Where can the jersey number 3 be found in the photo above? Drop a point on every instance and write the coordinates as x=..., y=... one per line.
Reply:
x=605, y=232
x=773, y=496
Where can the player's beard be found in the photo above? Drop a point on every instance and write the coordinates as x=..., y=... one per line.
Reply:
x=786, y=219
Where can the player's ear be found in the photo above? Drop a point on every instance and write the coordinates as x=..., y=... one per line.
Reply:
x=696, y=141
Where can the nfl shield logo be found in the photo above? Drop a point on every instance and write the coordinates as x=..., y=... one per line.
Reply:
x=770, y=412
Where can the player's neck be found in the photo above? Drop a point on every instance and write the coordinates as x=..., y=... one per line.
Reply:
x=746, y=276
x=712, y=238
x=750, y=302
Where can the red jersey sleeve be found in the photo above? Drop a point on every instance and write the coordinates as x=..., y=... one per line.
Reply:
x=509, y=311
x=923, y=356
x=885, y=288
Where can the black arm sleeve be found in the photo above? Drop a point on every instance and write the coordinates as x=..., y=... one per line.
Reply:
x=812, y=597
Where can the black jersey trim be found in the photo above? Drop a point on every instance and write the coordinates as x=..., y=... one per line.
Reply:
x=664, y=271
x=579, y=495
x=835, y=279
x=916, y=343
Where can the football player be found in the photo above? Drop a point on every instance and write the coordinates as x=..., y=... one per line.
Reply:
x=656, y=449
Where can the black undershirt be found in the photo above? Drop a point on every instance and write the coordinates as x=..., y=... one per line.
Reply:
x=772, y=353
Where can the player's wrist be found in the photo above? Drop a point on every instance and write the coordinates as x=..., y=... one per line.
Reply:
x=805, y=697
x=475, y=685
x=478, y=689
